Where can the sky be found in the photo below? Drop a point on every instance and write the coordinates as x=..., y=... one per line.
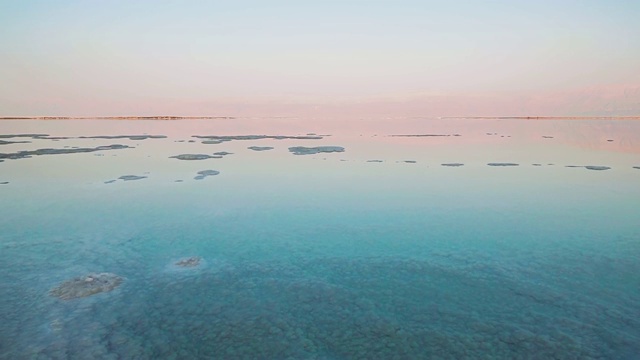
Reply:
x=320, y=58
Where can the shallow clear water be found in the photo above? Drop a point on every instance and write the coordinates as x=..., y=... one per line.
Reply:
x=325, y=256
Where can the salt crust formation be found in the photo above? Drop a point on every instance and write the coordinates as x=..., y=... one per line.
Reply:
x=195, y=157
x=215, y=139
x=590, y=167
x=131, y=177
x=302, y=150
x=29, y=153
x=4, y=142
x=87, y=285
x=204, y=173
x=189, y=262
x=130, y=137
x=425, y=135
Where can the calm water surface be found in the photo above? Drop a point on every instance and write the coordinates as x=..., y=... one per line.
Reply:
x=377, y=252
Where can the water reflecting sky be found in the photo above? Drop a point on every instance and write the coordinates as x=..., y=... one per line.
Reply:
x=328, y=255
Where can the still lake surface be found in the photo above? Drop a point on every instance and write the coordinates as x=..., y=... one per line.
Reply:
x=376, y=252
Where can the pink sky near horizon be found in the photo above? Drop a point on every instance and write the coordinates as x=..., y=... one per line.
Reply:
x=347, y=58
x=612, y=100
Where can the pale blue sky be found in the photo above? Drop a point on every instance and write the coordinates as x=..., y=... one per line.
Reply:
x=60, y=56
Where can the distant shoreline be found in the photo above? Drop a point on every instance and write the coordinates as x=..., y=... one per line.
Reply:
x=235, y=117
x=545, y=117
x=113, y=117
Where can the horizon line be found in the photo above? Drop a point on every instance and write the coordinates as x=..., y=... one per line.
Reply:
x=178, y=117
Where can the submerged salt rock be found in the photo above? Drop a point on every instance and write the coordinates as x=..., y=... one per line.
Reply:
x=194, y=157
x=212, y=142
x=590, y=167
x=84, y=286
x=4, y=142
x=256, y=137
x=260, y=148
x=503, y=164
x=204, y=173
x=189, y=262
x=302, y=150
x=130, y=137
x=29, y=153
x=131, y=177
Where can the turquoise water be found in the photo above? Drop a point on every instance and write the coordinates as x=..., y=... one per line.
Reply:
x=316, y=258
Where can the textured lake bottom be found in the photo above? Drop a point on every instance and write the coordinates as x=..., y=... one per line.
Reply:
x=369, y=308
x=363, y=290
x=338, y=308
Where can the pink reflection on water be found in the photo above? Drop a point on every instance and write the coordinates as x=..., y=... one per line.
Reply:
x=600, y=135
